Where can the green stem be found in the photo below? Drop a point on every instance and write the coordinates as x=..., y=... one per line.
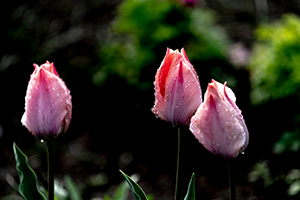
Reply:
x=180, y=171
x=50, y=158
x=232, y=188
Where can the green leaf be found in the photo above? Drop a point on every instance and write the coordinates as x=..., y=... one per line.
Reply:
x=121, y=192
x=190, y=195
x=136, y=190
x=28, y=181
x=106, y=197
x=73, y=191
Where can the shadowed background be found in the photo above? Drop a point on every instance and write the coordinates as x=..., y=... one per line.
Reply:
x=107, y=52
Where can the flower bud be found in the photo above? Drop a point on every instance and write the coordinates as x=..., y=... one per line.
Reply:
x=177, y=89
x=218, y=123
x=48, y=106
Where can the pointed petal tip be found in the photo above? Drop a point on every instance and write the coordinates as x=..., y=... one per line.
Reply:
x=183, y=52
x=168, y=50
x=35, y=66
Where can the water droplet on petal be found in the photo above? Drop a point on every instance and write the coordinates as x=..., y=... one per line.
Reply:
x=243, y=152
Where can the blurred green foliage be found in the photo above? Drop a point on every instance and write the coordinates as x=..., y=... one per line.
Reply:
x=275, y=71
x=261, y=172
x=293, y=179
x=288, y=141
x=143, y=28
x=290, y=180
x=275, y=83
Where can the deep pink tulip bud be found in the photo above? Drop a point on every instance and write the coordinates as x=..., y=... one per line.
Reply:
x=177, y=89
x=48, y=107
x=218, y=123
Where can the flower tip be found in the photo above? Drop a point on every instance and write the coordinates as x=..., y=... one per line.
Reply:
x=183, y=51
x=184, y=54
x=168, y=51
x=35, y=65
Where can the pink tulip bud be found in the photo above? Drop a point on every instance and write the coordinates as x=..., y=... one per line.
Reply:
x=218, y=123
x=177, y=89
x=48, y=107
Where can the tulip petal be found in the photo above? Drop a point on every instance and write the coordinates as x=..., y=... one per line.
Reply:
x=48, y=103
x=218, y=133
x=181, y=89
x=164, y=71
x=218, y=125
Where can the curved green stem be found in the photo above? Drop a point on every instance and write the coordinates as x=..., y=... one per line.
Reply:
x=179, y=173
x=50, y=158
x=232, y=188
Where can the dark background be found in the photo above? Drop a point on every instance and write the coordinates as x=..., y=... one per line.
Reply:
x=112, y=126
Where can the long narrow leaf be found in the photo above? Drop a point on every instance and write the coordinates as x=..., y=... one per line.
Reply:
x=190, y=195
x=73, y=191
x=122, y=190
x=28, y=181
x=136, y=190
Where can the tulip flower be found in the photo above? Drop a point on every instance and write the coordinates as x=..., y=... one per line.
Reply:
x=48, y=107
x=177, y=89
x=218, y=123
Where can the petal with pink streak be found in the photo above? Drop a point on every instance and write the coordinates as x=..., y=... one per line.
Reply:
x=177, y=89
x=48, y=104
x=187, y=94
x=218, y=125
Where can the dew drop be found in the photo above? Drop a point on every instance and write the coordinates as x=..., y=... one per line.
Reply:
x=42, y=141
x=243, y=152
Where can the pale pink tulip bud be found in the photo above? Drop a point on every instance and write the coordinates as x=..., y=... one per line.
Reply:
x=218, y=123
x=48, y=106
x=177, y=89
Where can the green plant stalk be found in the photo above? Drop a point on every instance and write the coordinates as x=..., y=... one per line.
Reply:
x=50, y=159
x=180, y=170
x=231, y=174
